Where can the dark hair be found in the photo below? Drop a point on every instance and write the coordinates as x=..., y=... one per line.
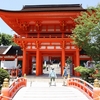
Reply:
x=52, y=68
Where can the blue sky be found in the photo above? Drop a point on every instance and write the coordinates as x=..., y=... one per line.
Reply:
x=18, y=4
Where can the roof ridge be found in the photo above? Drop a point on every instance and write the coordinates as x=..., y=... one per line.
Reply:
x=52, y=6
x=49, y=5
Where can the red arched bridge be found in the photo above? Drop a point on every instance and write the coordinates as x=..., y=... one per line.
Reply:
x=75, y=89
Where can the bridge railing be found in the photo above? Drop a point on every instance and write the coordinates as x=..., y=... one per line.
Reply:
x=82, y=86
x=8, y=92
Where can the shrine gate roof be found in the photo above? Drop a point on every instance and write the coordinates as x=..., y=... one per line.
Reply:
x=63, y=7
x=42, y=18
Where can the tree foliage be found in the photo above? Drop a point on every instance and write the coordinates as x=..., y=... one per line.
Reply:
x=3, y=74
x=6, y=39
x=86, y=73
x=86, y=34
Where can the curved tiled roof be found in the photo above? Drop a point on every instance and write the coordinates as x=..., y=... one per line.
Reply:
x=60, y=7
x=10, y=50
x=13, y=49
x=47, y=8
x=3, y=49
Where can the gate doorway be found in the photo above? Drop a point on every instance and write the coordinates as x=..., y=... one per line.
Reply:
x=47, y=60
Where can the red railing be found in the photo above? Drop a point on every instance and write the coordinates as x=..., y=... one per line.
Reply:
x=82, y=85
x=7, y=93
x=93, y=93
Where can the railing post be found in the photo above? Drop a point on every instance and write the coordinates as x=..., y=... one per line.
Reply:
x=96, y=90
x=25, y=79
x=24, y=75
x=5, y=90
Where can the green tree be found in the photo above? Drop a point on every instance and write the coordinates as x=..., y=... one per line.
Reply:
x=6, y=39
x=86, y=34
x=86, y=73
x=3, y=74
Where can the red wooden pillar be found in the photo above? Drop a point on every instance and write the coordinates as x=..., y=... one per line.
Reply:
x=42, y=64
x=27, y=68
x=77, y=60
x=74, y=64
x=37, y=60
x=30, y=64
x=24, y=62
x=27, y=64
x=39, y=63
x=63, y=57
x=49, y=58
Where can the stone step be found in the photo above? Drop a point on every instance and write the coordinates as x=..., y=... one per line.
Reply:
x=44, y=92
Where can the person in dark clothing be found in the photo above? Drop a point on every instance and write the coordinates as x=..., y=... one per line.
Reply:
x=19, y=73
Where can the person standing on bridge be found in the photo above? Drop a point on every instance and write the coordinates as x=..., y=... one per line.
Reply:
x=64, y=75
x=52, y=76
